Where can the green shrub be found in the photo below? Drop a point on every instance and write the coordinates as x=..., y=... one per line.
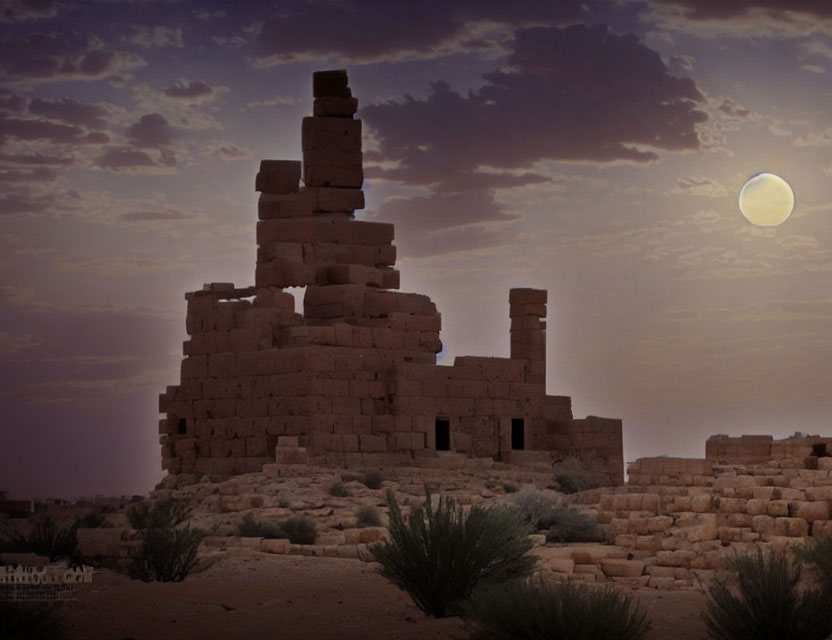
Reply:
x=759, y=598
x=45, y=538
x=570, y=525
x=162, y=514
x=299, y=530
x=539, y=508
x=439, y=554
x=372, y=479
x=338, y=490
x=165, y=554
x=367, y=517
x=536, y=609
x=572, y=483
x=250, y=527
x=29, y=621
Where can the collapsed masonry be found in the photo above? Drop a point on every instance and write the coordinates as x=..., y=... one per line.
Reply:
x=353, y=381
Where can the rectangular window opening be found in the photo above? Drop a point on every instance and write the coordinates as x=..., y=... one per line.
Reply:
x=518, y=434
x=443, y=434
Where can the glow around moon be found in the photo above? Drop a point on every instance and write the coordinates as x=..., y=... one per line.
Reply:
x=766, y=200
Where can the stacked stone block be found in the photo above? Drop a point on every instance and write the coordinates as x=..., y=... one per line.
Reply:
x=353, y=380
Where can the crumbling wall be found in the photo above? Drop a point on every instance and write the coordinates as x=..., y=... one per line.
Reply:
x=353, y=380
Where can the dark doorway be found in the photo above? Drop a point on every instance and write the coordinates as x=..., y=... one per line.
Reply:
x=518, y=434
x=182, y=427
x=443, y=434
x=819, y=450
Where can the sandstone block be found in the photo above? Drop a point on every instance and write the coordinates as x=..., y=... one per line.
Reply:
x=331, y=134
x=334, y=107
x=778, y=508
x=701, y=503
x=331, y=83
x=282, y=273
x=622, y=568
x=336, y=200
x=791, y=527
x=333, y=175
x=328, y=230
x=811, y=511
x=278, y=176
x=292, y=205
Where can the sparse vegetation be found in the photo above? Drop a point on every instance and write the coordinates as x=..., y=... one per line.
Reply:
x=572, y=483
x=570, y=525
x=338, y=490
x=299, y=530
x=29, y=621
x=45, y=538
x=167, y=552
x=817, y=552
x=162, y=514
x=367, y=517
x=536, y=609
x=372, y=479
x=759, y=597
x=539, y=508
x=440, y=554
x=250, y=527
x=510, y=487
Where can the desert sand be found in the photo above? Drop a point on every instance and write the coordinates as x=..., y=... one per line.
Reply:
x=254, y=595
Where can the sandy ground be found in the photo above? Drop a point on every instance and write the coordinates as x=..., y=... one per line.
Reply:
x=298, y=598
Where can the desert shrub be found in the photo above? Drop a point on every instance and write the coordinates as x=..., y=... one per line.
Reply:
x=758, y=597
x=539, y=508
x=162, y=514
x=570, y=525
x=45, y=538
x=572, y=483
x=92, y=520
x=509, y=487
x=29, y=621
x=338, y=490
x=165, y=554
x=368, y=517
x=250, y=527
x=372, y=479
x=818, y=553
x=439, y=554
x=537, y=609
x=299, y=530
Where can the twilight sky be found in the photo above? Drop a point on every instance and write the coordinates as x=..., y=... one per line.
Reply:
x=592, y=148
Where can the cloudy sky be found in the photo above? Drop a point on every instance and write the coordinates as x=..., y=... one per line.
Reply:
x=592, y=148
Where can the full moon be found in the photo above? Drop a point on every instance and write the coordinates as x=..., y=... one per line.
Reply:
x=766, y=200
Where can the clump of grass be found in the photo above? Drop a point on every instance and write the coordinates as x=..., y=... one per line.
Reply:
x=537, y=609
x=299, y=530
x=510, y=487
x=168, y=551
x=570, y=525
x=372, y=479
x=759, y=597
x=250, y=527
x=45, y=538
x=818, y=553
x=572, y=483
x=440, y=554
x=367, y=517
x=539, y=508
x=338, y=490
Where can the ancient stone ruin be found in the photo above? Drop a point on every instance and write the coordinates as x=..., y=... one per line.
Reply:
x=353, y=380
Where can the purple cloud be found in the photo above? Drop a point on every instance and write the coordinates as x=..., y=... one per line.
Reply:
x=62, y=56
x=194, y=90
x=27, y=129
x=378, y=29
x=70, y=111
x=151, y=131
x=37, y=175
x=119, y=159
x=20, y=10
x=716, y=9
x=153, y=216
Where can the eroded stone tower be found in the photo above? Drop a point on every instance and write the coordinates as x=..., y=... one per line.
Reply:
x=354, y=379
